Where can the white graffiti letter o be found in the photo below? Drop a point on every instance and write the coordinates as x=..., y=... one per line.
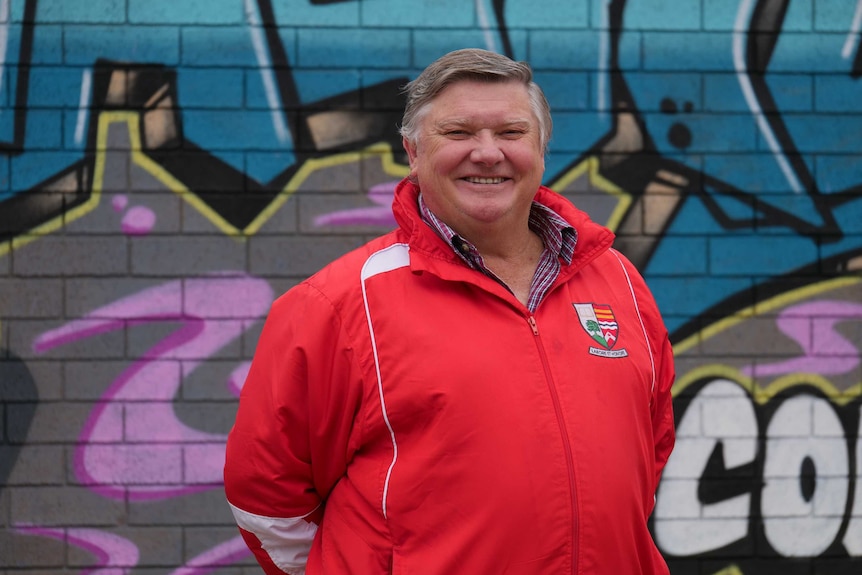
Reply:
x=797, y=524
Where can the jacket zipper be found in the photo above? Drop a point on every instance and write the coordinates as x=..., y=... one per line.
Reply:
x=567, y=447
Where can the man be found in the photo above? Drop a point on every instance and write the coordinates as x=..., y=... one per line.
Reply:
x=483, y=391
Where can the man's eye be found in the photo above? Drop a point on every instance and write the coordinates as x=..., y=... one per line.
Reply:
x=456, y=133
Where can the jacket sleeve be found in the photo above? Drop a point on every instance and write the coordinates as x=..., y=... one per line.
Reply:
x=289, y=444
x=661, y=406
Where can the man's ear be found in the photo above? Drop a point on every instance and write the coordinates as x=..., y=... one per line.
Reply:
x=410, y=149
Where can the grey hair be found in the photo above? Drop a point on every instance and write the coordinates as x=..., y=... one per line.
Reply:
x=471, y=64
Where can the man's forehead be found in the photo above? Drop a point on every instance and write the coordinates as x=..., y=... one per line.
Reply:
x=469, y=120
x=465, y=100
x=476, y=85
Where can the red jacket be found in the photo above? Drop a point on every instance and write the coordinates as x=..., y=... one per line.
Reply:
x=406, y=414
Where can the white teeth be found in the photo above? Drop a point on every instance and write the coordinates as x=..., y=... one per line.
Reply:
x=485, y=180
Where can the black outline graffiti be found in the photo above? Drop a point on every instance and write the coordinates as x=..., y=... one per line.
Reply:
x=18, y=395
x=763, y=33
x=719, y=483
x=500, y=13
x=22, y=83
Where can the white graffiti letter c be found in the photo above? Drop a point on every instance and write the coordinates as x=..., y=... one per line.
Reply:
x=720, y=413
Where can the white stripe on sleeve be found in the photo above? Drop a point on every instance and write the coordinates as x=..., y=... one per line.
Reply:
x=287, y=540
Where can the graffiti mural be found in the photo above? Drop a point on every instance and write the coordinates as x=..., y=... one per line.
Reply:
x=169, y=168
x=768, y=451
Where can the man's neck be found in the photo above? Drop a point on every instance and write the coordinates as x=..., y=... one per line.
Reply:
x=504, y=242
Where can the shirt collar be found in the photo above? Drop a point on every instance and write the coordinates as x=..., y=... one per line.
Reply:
x=558, y=235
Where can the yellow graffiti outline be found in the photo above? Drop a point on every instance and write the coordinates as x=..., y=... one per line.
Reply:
x=382, y=149
x=764, y=394
x=761, y=307
x=139, y=158
x=590, y=166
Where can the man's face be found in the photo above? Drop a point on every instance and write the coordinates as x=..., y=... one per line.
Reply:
x=478, y=158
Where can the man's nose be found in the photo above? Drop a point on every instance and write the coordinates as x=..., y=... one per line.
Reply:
x=486, y=150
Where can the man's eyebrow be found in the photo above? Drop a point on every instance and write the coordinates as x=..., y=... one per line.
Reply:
x=452, y=122
x=518, y=122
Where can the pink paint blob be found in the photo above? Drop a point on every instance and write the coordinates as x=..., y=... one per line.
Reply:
x=119, y=203
x=379, y=215
x=825, y=351
x=138, y=221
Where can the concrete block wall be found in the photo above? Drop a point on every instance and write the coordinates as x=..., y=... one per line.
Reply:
x=169, y=167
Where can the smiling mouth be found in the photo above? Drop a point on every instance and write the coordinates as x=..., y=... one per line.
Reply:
x=485, y=180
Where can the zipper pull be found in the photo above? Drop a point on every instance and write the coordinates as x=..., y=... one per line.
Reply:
x=532, y=322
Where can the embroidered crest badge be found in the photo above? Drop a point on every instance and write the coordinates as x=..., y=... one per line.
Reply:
x=599, y=322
